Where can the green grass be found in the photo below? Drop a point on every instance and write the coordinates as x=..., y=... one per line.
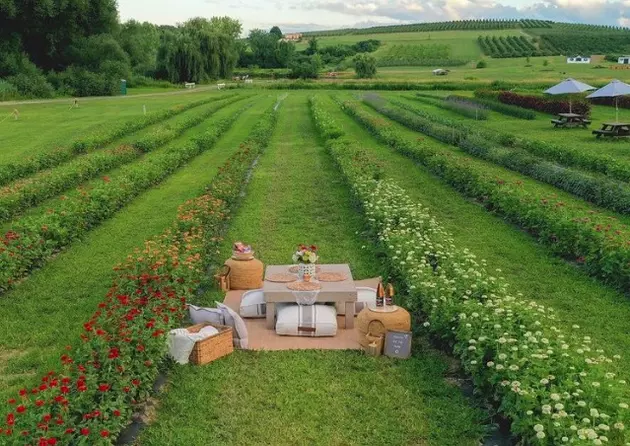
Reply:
x=46, y=312
x=310, y=397
x=323, y=398
x=55, y=123
x=529, y=267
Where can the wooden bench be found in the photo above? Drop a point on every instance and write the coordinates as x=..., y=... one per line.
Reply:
x=558, y=123
x=601, y=133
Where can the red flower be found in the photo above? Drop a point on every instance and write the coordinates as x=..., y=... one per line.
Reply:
x=20, y=409
x=47, y=417
x=23, y=392
x=157, y=333
x=10, y=419
x=148, y=363
x=39, y=403
x=113, y=353
x=69, y=430
x=52, y=441
x=85, y=431
x=65, y=389
x=104, y=433
x=12, y=401
x=116, y=412
x=103, y=387
x=135, y=382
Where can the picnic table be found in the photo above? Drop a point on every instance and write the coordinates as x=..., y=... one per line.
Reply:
x=613, y=130
x=343, y=293
x=568, y=120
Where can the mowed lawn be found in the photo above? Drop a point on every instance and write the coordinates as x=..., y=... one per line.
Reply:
x=310, y=397
x=44, y=126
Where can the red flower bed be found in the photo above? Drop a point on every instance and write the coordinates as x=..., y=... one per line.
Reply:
x=90, y=400
x=545, y=104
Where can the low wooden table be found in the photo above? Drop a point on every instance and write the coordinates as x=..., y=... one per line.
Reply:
x=570, y=120
x=613, y=129
x=338, y=292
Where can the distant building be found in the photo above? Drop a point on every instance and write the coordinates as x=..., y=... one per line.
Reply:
x=578, y=59
x=293, y=37
x=624, y=60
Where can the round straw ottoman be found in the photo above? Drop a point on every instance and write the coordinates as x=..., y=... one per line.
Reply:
x=245, y=274
x=374, y=322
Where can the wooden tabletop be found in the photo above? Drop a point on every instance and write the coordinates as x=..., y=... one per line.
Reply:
x=617, y=124
x=344, y=291
x=569, y=115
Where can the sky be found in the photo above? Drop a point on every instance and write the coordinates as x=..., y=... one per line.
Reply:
x=308, y=15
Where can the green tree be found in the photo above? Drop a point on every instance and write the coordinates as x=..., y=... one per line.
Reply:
x=276, y=31
x=306, y=67
x=285, y=52
x=364, y=65
x=46, y=28
x=313, y=46
x=141, y=42
x=263, y=46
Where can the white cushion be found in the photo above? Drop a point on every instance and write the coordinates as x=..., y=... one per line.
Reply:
x=199, y=315
x=253, y=304
x=239, y=329
x=365, y=296
x=307, y=320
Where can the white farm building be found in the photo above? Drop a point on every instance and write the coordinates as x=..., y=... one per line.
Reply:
x=578, y=59
x=624, y=60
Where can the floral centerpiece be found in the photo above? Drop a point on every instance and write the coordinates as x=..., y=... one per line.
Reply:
x=241, y=251
x=306, y=257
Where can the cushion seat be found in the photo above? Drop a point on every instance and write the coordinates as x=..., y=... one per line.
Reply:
x=306, y=320
x=253, y=304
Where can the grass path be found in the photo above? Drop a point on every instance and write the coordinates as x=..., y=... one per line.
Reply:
x=529, y=267
x=310, y=397
x=47, y=311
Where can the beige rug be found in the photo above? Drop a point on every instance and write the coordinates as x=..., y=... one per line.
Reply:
x=261, y=338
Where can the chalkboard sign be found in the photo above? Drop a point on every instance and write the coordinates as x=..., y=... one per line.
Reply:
x=398, y=344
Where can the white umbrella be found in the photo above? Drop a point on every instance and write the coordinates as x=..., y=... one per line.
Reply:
x=613, y=90
x=569, y=86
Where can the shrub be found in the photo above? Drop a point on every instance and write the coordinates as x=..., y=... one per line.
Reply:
x=31, y=85
x=365, y=66
x=460, y=106
x=499, y=107
x=482, y=64
x=545, y=105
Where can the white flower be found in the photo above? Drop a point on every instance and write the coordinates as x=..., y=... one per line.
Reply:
x=540, y=435
x=559, y=406
x=539, y=428
x=623, y=405
x=490, y=364
x=619, y=426
x=555, y=397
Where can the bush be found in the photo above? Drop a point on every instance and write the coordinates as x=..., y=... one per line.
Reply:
x=306, y=67
x=499, y=107
x=31, y=85
x=482, y=64
x=545, y=105
x=460, y=106
x=365, y=66
x=8, y=91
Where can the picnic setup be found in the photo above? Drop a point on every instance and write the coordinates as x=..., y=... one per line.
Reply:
x=303, y=305
x=614, y=89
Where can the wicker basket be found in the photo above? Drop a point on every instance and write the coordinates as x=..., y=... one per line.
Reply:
x=222, y=278
x=245, y=274
x=214, y=347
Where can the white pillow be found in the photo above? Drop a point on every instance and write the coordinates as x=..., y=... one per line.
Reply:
x=307, y=320
x=239, y=329
x=199, y=315
x=253, y=304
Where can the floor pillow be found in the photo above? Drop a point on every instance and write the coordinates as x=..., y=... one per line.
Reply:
x=239, y=329
x=253, y=304
x=199, y=315
x=306, y=320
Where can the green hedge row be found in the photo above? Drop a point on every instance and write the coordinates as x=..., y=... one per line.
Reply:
x=33, y=239
x=28, y=192
x=597, y=242
x=112, y=368
x=565, y=155
x=550, y=383
x=600, y=190
x=52, y=158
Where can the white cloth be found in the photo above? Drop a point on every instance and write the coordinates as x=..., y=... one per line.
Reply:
x=302, y=320
x=181, y=342
x=239, y=329
x=306, y=297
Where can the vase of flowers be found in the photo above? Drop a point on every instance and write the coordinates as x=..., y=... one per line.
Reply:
x=306, y=257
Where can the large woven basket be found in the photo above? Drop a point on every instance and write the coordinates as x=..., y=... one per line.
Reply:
x=245, y=274
x=214, y=347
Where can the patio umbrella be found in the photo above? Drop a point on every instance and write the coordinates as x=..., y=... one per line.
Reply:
x=613, y=90
x=569, y=86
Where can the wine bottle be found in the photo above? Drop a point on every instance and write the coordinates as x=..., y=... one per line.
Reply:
x=380, y=294
x=389, y=295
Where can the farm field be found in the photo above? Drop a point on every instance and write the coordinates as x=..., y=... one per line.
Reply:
x=516, y=275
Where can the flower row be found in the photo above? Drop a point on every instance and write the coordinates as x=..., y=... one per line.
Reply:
x=457, y=105
x=31, y=191
x=597, y=242
x=55, y=157
x=499, y=107
x=603, y=191
x=32, y=239
x=565, y=155
x=556, y=386
x=542, y=104
x=92, y=397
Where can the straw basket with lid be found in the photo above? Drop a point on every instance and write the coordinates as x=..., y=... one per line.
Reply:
x=373, y=323
x=246, y=272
